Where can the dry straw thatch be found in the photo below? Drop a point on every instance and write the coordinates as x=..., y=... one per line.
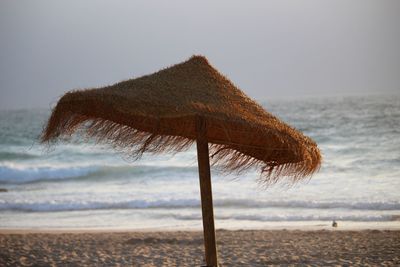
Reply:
x=158, y=112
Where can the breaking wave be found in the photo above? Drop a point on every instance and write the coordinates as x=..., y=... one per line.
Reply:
x=59, y=205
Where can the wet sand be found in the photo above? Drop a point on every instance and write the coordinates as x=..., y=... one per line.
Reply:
x=185, y=248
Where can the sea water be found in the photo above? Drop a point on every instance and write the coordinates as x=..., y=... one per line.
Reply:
x=82, y=185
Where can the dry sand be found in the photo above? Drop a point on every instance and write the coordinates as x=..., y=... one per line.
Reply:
x=235, y=248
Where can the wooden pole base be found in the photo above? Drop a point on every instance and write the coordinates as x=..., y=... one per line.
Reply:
x=206, y=194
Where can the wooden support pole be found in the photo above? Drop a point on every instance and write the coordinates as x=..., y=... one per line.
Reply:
x=206, y=193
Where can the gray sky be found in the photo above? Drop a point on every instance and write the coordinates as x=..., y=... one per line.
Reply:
x=270, y=49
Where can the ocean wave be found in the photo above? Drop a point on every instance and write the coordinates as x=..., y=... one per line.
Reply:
x=5, y=155
x=55, y=205
x=19, y=174
x=32, y=174
x=64, y=205
x=306, y=204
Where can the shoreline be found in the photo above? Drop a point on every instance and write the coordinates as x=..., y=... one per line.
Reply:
x=155, y=231
x=275, y=226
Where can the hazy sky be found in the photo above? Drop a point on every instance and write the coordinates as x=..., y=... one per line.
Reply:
x=269, y=49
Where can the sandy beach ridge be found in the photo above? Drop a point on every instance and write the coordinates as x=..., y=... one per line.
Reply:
x=185, y=248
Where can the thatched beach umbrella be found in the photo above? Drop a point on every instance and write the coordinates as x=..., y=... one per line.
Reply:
x=174, y=107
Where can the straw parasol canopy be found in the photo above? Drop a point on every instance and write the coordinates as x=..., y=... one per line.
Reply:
x=158, y=112
x=185, y=103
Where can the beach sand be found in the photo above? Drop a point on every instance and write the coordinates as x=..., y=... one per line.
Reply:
x=185, y=248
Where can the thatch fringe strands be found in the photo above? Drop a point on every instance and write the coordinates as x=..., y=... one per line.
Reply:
x=156, y=113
